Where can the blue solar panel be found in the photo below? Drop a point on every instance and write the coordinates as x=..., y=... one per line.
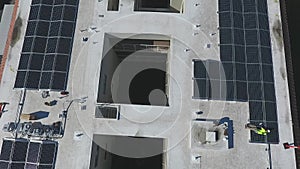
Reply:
x=263, y=22
x=254, y=72
x=225, y=20
x=52, y=34
x=239, y=38
x=256, y=110
x=238, y=20
x=228, y=68
x=237, y=6
x=268, y=75
x=239, y=54
x=269, y=92
x=262, y=6
x=266, y=55
x=264, y=38
x=247, y=61
x=241, y=72
x=252, y=55
x=255, y=90
x=224, y=5
x=226, y=36
x=250, y=21
x=226, y=53
x=251, y=37
x=249, y=6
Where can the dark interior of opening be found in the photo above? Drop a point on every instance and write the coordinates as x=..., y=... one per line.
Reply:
x=113, y=5
x=154, y=6
x=107, y=153
x=132, y=71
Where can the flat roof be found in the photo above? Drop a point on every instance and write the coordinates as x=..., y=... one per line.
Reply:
x=175, y=123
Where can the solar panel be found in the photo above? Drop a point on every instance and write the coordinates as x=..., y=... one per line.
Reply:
x=262, y=6
x=48, y=153
x=225, y=20
x=230, y=95
x=266, y=56
x=238, y=20
x=31, y=166
x=17, y=165
x=6, y=150
x=226, y=52
x=245, y=52
x=224, y=5
x=252, y=55
x=271, y=114
x=256, y=110
x=251, y=37
x=20, y=151
x=226, y=37
x=45, y=13
x=237, y=6
x=255, y=91
x=264, y=38
x=249, y=6
x=20, y=79
x=31, y=155
x=250, y=21
x=253, y=72
x=268, y=75
x=47, y=45
x=45, y=167
x=228, y=68
x=269, y=92
x=239, y=38
x=31, y=28
x=239, y=54
x=241, y=91
x=33, y=152
x=42, y=28
x=4, y=165
x=272, y=137
x=240, y=72
x=263, y=22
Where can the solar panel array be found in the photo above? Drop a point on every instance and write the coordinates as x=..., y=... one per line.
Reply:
x=47, y=47
x=22, y=154
x=246, y=62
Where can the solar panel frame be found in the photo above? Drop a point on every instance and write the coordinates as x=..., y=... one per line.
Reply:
x=256, y=110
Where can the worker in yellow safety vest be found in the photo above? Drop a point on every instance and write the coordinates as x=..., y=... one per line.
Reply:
x=262, y=131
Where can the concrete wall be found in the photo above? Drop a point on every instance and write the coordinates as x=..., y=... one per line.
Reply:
x=109, y=63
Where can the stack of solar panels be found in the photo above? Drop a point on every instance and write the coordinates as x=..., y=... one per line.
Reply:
x=17, y=154
x=246, y=54
x=47, y=47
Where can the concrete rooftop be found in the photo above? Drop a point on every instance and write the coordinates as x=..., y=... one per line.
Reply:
x=173, y=123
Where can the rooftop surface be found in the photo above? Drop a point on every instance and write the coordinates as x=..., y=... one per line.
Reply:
x=173, y=123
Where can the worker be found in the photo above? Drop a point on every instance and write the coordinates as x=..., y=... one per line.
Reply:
x=262, y=131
